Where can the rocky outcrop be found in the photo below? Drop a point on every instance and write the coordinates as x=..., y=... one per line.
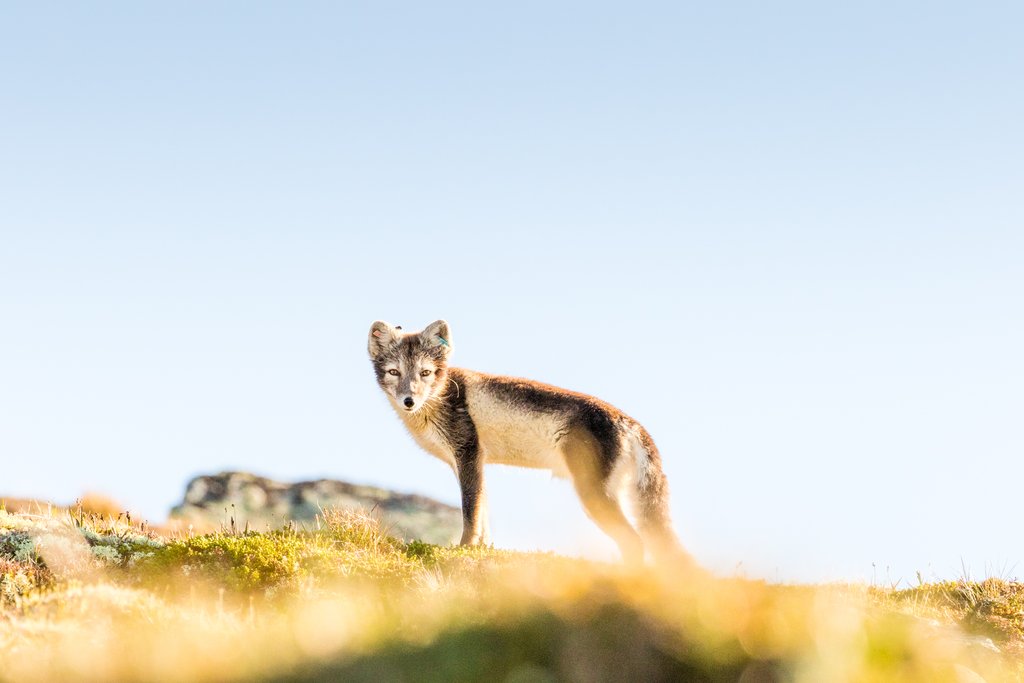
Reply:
x=215, y=500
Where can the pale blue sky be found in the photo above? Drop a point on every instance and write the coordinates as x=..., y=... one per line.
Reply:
x=787, y=237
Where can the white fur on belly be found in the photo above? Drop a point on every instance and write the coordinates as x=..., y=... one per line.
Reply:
x=510, y=436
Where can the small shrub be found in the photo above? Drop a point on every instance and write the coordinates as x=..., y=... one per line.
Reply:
x=19, y=579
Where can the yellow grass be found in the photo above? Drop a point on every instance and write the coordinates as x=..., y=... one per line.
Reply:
x=100, y=600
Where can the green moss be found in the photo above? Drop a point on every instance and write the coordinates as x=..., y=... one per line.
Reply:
x=424, y=552
x=283, y=562
x=246, y=562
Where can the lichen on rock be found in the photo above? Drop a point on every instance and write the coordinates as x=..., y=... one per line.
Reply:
x=244, y=499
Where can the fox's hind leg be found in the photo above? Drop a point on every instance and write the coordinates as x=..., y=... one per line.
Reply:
x=585, y=458
x=485, y=520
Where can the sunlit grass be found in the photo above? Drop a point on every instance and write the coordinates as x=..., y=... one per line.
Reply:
x=85, y=597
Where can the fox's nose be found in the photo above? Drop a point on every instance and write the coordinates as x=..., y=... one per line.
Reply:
x=409, y=403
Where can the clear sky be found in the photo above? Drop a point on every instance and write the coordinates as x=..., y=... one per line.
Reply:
x=787, y=237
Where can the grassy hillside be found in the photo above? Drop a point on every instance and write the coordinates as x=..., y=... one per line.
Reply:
x=99, y=599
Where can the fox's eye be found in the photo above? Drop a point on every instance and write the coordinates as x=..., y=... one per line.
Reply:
x=425, y=373
x=394, y=372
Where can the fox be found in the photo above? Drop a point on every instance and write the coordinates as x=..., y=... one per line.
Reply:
x=468, y=419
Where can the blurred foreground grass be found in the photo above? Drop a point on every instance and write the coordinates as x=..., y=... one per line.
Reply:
x=91, y=598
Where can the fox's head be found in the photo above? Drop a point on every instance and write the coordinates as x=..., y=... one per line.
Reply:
x=411, y=367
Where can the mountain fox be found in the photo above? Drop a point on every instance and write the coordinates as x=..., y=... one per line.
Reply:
x=469, y=418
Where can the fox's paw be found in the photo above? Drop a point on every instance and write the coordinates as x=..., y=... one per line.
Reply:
x=474, y=539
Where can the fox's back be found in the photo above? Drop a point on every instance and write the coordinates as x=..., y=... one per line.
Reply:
x=520, y=422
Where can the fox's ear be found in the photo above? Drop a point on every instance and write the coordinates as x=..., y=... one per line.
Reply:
x=382, y=337
x=437, y=334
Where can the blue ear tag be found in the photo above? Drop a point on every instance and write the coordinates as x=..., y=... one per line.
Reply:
x=443, y=340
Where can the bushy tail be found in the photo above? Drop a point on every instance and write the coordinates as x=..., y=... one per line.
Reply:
x=654, y=521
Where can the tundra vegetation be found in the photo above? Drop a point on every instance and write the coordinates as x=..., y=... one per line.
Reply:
x=90, y=597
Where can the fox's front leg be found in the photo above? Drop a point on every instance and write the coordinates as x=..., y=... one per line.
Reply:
x=470, y=470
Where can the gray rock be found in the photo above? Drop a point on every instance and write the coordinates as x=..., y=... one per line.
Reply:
x=212, y=501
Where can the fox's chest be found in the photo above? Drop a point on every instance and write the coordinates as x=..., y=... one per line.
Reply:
x=512, y=436
x=430, y=439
